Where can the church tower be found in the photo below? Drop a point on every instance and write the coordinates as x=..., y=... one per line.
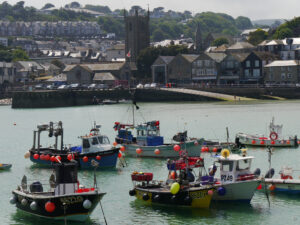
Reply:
x=137, y=34
x=199, y=40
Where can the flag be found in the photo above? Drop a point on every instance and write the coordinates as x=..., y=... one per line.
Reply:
x=128, y=54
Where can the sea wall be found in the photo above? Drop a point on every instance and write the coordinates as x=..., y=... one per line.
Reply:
x=47, y=99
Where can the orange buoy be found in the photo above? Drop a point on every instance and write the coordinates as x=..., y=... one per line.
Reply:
x=215, y=149
x=122, y=148
x=138, y=151
x=157, y=151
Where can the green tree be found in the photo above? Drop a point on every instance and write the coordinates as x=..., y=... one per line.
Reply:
x=98, y=8
x=19, y=55
x=220, y=41
x=243, y=23
x=48, y=6
x=257, y=36
x=283, y=32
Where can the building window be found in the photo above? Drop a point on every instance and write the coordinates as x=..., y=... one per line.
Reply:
x=248, y=63
x=282, y=76
x=230, y=64
x=193, y=71
x=290, y=76
x=246, y=73
x=289, y=68
x=207, y=63
x=256, y=63
x=199, y=62
x=271, y=76
x=256, y=72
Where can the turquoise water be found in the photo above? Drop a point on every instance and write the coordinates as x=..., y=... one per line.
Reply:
x=207, y=120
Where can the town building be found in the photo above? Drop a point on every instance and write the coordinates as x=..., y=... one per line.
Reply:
x=282, y=72
x=160, y=69
x=204, y=69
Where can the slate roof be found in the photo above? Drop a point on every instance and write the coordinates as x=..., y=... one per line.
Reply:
x=167, y=59
x=283, y=63
x=104, y=76
x=216, y=56
x=241, y=45
x=190, y=57
x=98, y=66
x=240, y=56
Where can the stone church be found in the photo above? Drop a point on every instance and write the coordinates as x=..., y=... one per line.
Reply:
x=137, y=34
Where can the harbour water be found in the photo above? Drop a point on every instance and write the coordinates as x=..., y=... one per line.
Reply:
x=207, y=120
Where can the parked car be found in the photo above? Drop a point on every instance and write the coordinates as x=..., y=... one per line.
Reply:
x=139, y=86
x=50, y=87
x=147, y=86
x=39, y=87
x=63, y=87
x=84, y=86
x=75, y=86
x=102, y=86
x=153, y=85
x=92, y=86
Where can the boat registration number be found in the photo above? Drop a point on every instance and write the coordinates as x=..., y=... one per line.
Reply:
x=198, y=195
x=71, y=200
x=226, y=177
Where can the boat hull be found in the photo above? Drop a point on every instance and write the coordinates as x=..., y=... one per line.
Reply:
x=108, y=158
x=252, y=140
x=237, y=191
x=68, y=207
x=193, y=149
x=5, y=166
x=288, y=186
x=198, y=198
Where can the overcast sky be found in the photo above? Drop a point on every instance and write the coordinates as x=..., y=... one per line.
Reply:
x=254, y=9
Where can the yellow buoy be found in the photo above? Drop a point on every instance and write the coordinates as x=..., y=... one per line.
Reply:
x=225, y=153
x=175, y=188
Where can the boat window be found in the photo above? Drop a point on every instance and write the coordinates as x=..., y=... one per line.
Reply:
x=85, y=143
x=95, y=141
x=243, y=164
x=103, y=140
x=227, y=166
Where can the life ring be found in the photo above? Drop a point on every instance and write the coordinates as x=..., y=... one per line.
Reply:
x=273, y=136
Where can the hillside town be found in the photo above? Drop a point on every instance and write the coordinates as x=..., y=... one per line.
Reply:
x=92, y=57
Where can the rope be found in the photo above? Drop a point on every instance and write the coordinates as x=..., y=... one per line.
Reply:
x=103, y=212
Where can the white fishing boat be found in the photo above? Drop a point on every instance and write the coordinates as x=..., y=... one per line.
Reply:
x=285, y=183
x=236, y=181
x=275, y=138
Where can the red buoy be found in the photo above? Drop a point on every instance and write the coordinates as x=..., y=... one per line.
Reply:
x=36, y=156
x=98, y=157
x=50, y=207
x=157, y=151
x=47, y=157
x=262, y=142
x=176, y=148
x=42, y=157
x=58, y=158
x=122, y=148
x=253, y=142
x=138, y=151
x=70, y=157
x=85, y=159
x=272, y=142
x=52, y=158
x=119, y=155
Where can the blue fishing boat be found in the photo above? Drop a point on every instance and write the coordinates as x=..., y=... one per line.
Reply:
x=4, y=166
x=94, y=146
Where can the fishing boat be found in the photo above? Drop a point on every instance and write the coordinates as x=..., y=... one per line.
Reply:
x=149, y=143
x=285, y=183
x=236, y=181
x=94, y=146
x=4, y=166
x=275, y=138
x=177, y=190
x=65, y=199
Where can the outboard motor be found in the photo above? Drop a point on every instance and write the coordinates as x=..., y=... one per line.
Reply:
x=296, y=141
x=270, y=173
x=257, y=172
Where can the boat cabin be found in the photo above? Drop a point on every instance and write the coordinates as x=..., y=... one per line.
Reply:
x=95, y=143
x=235, y=168
x=148, y=134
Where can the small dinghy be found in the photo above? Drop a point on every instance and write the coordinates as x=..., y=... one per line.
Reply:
x=64, y=200
x=4, y=166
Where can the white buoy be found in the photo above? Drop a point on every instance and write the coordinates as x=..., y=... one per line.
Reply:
x=87, y=204
x=27, y=155
x=33, y=205
x=13, y=199
x=24, y=201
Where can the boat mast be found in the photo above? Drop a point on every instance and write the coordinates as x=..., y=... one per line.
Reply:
x=133, y=122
